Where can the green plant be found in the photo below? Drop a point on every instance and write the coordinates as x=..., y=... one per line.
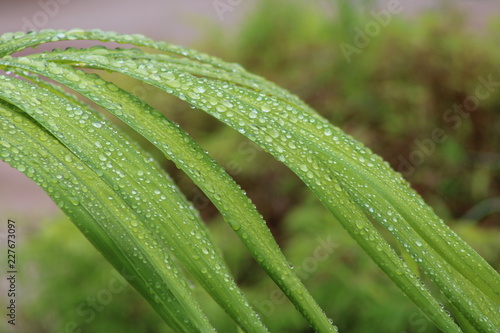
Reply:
x=130, y=210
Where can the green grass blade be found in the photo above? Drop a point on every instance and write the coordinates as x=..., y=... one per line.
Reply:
x=297, y=165
x=167, y=214
x=211, y=178
x=183, y=85
x=411, y=281
x=90, y=203
x=348, y=178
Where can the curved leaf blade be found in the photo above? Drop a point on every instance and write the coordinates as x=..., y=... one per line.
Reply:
x=364, y=181
x=90, y=203
x=165, y=214
x=236, y=208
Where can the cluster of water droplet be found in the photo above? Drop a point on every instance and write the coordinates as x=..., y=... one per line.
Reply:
x=107, y=161
x=349, y=179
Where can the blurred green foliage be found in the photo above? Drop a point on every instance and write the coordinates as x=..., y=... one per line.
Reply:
x=68, y=287
x=391, y=95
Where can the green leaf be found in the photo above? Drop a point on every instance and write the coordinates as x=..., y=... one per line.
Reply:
x=353, y=183
x=236, y=208
x=157, y=204
x=101, y=215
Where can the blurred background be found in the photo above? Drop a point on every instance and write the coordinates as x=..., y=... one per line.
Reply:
x=392, y=74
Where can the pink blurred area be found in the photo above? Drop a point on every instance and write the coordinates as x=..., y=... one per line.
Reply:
x=176, y=21
x=21, y=197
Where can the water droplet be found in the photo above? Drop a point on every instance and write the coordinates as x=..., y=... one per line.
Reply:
x=221, y=108
x=74, y=201
x=236, y=225
x=24, y=60
x=227, y=103
x=173, y=83
x=274, y=133
x=200, y=89
x=5, y=144
x=72, y=77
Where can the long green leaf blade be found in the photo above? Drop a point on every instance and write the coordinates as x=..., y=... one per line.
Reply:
x=167, y=214
x=212, y=179
x=176, y=80
x=153, y=78
x=349, y=179
x=90, y=203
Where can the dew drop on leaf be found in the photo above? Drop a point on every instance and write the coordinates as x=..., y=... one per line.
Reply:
x=221, y=108
x=74, y=201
